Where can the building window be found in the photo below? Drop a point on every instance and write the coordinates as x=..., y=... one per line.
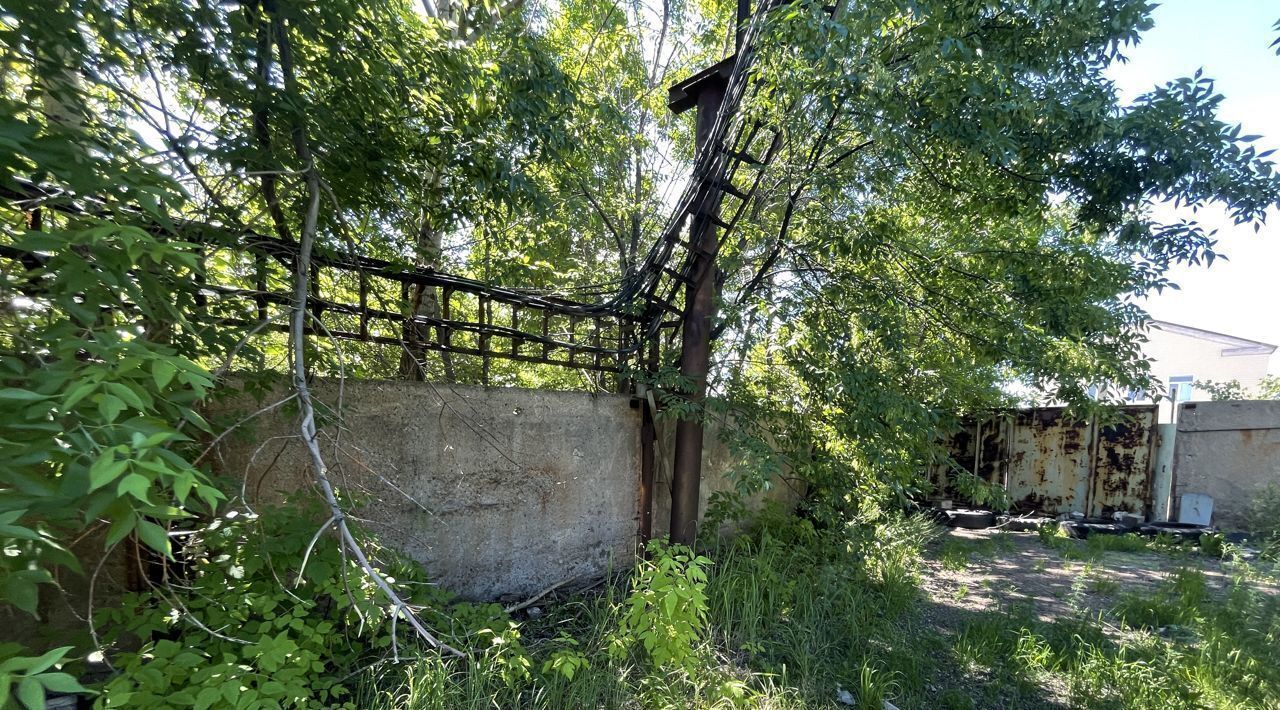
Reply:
x=1180, y=388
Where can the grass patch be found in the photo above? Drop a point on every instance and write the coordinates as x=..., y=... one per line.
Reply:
x=1175, y=646
x=956, y=554
x=793, y=617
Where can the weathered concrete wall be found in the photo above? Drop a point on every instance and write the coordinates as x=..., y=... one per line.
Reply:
x=1227, y=450
x=500, y=493
x=718, y=464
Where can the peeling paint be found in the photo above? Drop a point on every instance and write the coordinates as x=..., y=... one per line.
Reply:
x=1053, y=464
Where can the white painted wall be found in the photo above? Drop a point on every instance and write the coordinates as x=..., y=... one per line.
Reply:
x=1173, y=353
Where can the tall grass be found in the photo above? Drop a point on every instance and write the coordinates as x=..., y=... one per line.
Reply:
x=795, y=616
x=1173, y=647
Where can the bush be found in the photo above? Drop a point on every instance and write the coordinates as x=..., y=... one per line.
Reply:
x=971, y=488
x=241, y=623
x=667, y=608
x=1263, y=519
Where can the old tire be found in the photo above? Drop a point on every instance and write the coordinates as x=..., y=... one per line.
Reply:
x=1027, y=524
x=971, y=519
x=1189, y=532
x=1081, y=529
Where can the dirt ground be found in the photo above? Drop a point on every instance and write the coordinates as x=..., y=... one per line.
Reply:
x=1007, y=569
x=970, y=572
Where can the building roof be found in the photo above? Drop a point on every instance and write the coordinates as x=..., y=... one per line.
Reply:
x=1235, y=345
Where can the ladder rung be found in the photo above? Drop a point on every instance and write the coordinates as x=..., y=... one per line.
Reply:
x=676, y=275
x=741, y=157
x=731, y=189
x=666, y=306
x=689, y=247
x=716, y=220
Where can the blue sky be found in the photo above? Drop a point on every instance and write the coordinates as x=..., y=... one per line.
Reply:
x=1229, y=39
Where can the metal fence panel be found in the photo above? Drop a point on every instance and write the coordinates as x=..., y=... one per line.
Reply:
x=1053, y=464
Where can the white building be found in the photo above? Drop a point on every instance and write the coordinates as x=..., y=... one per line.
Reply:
x=1181, y=356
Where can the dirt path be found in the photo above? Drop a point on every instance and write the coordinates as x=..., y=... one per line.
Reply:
x=970, y=573
x=984, y=570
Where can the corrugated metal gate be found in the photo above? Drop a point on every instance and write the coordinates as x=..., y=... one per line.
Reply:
x=1053, y=464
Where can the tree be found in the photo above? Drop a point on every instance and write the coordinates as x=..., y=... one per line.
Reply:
x=957, y=201
x=964, y=204
x=1267, y=388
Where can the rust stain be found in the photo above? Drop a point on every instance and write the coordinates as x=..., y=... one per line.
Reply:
x=1051, y=461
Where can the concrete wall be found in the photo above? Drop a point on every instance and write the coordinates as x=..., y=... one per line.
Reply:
x=1227, y=450
x=500, y=493
x=719, y=461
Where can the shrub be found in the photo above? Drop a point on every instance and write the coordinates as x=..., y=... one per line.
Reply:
x=667, y=608
x=983, y=494
x=1263, y=519
x=243, y=622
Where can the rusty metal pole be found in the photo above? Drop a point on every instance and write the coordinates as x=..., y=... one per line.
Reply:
x=695, y=344
x=648, y=439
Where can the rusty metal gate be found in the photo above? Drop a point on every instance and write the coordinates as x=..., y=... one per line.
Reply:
x=1053, y=464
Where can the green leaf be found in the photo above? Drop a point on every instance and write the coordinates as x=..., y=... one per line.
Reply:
x=31, y=694
x=110, y=406
x=208, y=696
x=61, y=683
x=136, y=485
x=81, y=391
x=121, y=528
x=46, y=661
x=105, y=470
x=162, y=371
x=21, y=591
x=155, y=537
x=19, y=395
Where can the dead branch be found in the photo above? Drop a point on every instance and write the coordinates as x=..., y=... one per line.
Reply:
x=534, y=599
x=297, y=339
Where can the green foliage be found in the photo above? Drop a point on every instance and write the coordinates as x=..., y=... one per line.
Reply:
x=791, y=614
x=1129, y=542
x=995, y=165
x=956, y=553
x=245, y=624
x=666, y=610
x=567, y=660
x=983, y=494
x=1178, y=646
x=1267, y=388
x=1263, y=519
x=24, y=680
x=998, y=233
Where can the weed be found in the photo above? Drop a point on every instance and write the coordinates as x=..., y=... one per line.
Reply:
x=957, y=553
x=667, y=608
x=1214, y=545
x=953, y=699
x=1195, y=652
x=1099, y=584
x=1263, y=520
x=981, y=493
x=789, y=614
x=954, y=554
x=1131, y=542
